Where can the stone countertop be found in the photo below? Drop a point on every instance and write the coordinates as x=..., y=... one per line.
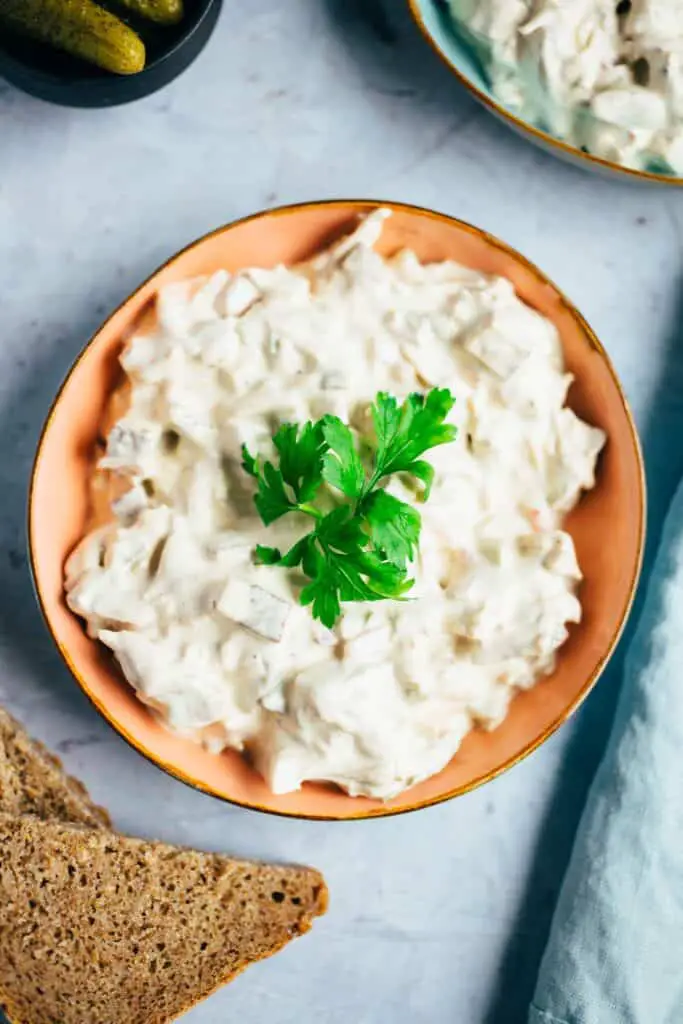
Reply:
x=438, y=917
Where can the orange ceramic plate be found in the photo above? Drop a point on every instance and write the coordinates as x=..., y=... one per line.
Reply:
x=607, y=526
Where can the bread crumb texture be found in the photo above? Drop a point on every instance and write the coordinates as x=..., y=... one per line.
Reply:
x=32, y=781
x=98, y=928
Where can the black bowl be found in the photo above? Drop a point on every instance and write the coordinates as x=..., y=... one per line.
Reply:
x=60, y=78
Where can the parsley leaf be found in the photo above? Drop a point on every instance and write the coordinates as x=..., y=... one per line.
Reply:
x=271, y=498
x=301, y=455
x=393, y=525
x=299, y=477
x=343, y=571
x=342, y=466
x=323, y=594
x=406, y=432
x=360, y=550
x=249, y=462
x=267, y=556
x=295, y=556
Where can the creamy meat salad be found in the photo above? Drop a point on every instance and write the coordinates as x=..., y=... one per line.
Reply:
x=219, y=646
x=602, y=74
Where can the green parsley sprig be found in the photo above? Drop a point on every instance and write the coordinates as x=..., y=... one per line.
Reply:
x=360, y=550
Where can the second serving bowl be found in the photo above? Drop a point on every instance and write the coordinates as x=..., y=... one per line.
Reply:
x=434, y=22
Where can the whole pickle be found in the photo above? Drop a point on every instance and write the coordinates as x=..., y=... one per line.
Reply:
x=80, y=28
x=163, y=12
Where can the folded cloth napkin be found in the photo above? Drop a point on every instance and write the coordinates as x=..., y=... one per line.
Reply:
x=615, y=953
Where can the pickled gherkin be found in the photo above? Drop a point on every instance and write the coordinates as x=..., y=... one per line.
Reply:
x=78, y=27
x=163, y=12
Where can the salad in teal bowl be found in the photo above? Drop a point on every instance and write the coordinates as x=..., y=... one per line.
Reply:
x=596, y=82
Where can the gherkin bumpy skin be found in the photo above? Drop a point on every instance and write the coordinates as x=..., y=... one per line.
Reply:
x=163, y=12
x=78, y=27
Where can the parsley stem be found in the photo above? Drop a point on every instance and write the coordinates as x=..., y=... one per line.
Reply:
x=369, y=487
x=309, y=510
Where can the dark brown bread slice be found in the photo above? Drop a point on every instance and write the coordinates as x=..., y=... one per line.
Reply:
x=32, y=781
x=97, y=928
x=4, y=773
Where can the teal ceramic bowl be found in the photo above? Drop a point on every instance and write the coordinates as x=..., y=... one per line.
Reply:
x=435, y=24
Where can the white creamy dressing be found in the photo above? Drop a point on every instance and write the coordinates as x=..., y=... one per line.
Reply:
x=601, y=74
x=220, y=647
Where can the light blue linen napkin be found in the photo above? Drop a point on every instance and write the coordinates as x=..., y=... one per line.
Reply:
x=615, y=953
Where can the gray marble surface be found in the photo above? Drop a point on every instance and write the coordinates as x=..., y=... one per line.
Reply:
x=438, y=917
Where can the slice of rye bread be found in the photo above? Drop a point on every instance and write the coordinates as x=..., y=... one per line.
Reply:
x=98, y=928
x=32, y=781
